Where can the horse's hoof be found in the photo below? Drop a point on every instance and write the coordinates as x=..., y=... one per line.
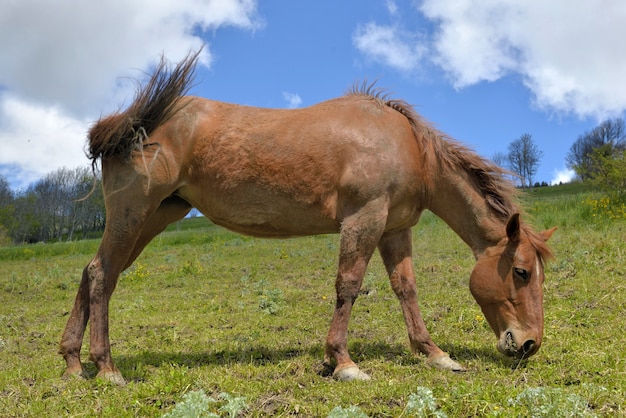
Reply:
x=75, y=374
x=112, y=377
x=350, y=373
x=444, y=362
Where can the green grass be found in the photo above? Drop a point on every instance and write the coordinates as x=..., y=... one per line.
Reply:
x=205, y=313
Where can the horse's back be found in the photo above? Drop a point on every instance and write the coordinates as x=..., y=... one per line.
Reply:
x=278, y=172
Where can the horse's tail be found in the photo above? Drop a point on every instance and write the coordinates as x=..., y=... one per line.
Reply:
x=155, y=102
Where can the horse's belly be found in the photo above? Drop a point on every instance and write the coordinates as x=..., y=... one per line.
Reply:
x=267, y=225
x=266, y=214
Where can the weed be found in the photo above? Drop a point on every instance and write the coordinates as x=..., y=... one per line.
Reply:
x=197, y=404
x=271, y=301
x=193, y=405
x=605, y=207
x=352, y=411
x=551, y=403
x=138, y=273
x=234, y=404
x=423, y=404
x=191, y=268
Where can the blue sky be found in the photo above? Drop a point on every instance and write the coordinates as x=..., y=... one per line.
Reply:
x=483, y=72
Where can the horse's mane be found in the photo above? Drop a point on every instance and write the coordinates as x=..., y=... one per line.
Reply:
x=499, y=193
x=118, y=134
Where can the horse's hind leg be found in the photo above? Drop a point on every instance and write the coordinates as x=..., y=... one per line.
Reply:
x=121, y=244
x=99, y=280
x=170, y=210
x=395, y=249
x=359, y=235
x=75, y=329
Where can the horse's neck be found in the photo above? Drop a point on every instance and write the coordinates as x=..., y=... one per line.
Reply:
x=460, y=205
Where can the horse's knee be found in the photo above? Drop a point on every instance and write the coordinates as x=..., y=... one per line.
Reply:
x=347, y=290
x=94, y=270
x=404, y=287
x=349, y=281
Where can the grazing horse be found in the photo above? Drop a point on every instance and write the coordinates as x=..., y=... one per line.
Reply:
x=362, y=165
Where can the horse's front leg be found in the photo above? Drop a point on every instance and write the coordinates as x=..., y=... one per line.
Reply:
x=395, y=249
x=347, y=285
x=359, y=235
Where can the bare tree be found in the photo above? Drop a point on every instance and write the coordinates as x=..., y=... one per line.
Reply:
x=53, y=202
x=501, y=159
x=87, y=208
x=524, y=157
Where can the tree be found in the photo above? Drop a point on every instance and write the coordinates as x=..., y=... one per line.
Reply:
x=500, y=158
x=6, y=194
x=523, y=158
x=608, y=138
x=609, y=173
x=6, y=209
x=53, y=203
x=87, y=209
x=26, y=224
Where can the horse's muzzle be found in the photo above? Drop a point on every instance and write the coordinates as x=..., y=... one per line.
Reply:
x=509, y=347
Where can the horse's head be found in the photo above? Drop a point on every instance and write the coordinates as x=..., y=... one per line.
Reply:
x=507, y=283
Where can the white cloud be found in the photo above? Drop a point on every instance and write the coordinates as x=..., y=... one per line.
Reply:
x=66, y=62
x=563, y=176
x=293, y=99
x=38, y=139
x=390, y=45
x=570, y=54
x=471, y=42
x=392, y=7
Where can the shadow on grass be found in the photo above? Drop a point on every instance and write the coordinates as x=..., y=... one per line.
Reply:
x=262, y=355
x=483, y=354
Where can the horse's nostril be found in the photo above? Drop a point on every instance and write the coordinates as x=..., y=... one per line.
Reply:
x=528, y=346
x=509, y=341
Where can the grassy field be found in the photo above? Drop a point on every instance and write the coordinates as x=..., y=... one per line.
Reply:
x=211, y=321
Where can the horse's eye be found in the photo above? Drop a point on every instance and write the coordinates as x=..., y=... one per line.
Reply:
x=521, y=273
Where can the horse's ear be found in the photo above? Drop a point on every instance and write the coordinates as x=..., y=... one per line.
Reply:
x=548, y=233
x=513, y=228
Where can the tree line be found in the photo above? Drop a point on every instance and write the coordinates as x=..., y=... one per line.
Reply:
x=64, y=205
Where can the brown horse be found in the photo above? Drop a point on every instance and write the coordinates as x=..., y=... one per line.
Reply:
x=361, y=165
